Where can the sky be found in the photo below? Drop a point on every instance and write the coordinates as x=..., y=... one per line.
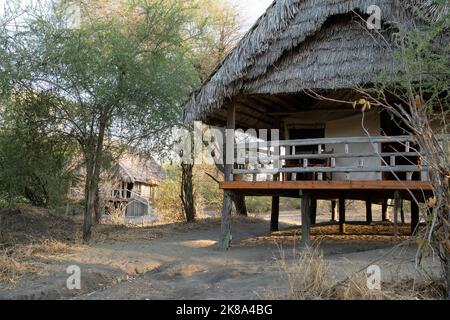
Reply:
x=251, y=10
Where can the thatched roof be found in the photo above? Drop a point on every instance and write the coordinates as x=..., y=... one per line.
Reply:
x=299, y=44
x=138, y=168
x=129, y=166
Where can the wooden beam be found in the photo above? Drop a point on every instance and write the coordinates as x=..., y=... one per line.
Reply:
x=327, y=185
x=341, y=215
x=306, y=219
x=275, y=214
x=414, y=217
x=369, y=218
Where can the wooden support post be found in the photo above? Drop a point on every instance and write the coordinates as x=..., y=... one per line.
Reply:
x=414, y=217
x=402, y=212
x=225, y=239
x=225, y=228
x=333, y=210
x=341, y=215
x=313, y=211
x=397, y=203
x=275, y=213
x=384, y=209
x=369, y=210
x=306, y=219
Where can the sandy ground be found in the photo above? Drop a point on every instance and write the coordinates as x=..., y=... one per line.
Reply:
x=183, y=262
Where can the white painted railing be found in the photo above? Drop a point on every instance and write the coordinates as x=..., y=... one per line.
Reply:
x=284, y=161
x=131, y=196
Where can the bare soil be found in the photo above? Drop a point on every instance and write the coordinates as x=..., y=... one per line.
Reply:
x=181, y=261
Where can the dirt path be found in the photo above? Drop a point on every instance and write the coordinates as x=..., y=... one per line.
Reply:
x=186, y=264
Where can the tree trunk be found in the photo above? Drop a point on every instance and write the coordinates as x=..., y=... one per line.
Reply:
x=187, y=192
x=447, y=272
x=97, y=210
x=93, y=168
x=87, y=221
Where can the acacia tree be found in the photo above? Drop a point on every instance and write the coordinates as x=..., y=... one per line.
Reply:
x=219, y=22
x=419, y=97
x=110, y=80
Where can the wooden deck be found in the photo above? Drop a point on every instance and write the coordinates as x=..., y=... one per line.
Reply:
x=357, y=190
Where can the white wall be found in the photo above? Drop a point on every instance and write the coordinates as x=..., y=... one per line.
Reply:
x=352, y=127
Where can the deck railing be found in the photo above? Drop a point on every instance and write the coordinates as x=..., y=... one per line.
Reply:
x=326, y=157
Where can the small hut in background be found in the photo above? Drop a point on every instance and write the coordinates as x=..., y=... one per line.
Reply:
x=128, y=184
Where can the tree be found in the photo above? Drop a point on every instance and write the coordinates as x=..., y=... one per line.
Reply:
x=419, y=96
x=33, y=163
x=220, y=26
x=110, y=80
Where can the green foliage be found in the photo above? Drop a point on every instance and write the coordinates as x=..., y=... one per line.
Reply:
x=33, y=163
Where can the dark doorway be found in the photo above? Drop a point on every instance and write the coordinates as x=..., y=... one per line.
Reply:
x=129, y=189
x=300, y=134
x=309, y=133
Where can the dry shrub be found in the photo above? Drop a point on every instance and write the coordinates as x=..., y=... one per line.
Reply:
x=116, y=215
x=168, y=201
x=308, y=278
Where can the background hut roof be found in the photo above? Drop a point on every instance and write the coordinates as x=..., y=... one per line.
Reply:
x=138, y=168
x=298, y=44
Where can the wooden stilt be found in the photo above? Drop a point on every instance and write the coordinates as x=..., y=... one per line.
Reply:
x=414, y=217
x=369, y=210
x=313, y=211
x=384, y=209
x=397, y=204
x=341, y=215
x=333, y=210
x=225, y=239
x=306, y=219
x=402, y=211
x=275, y=214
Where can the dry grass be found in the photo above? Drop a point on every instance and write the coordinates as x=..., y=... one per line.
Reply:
x=10, y=269
x=308, y=278
x=20, y=260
